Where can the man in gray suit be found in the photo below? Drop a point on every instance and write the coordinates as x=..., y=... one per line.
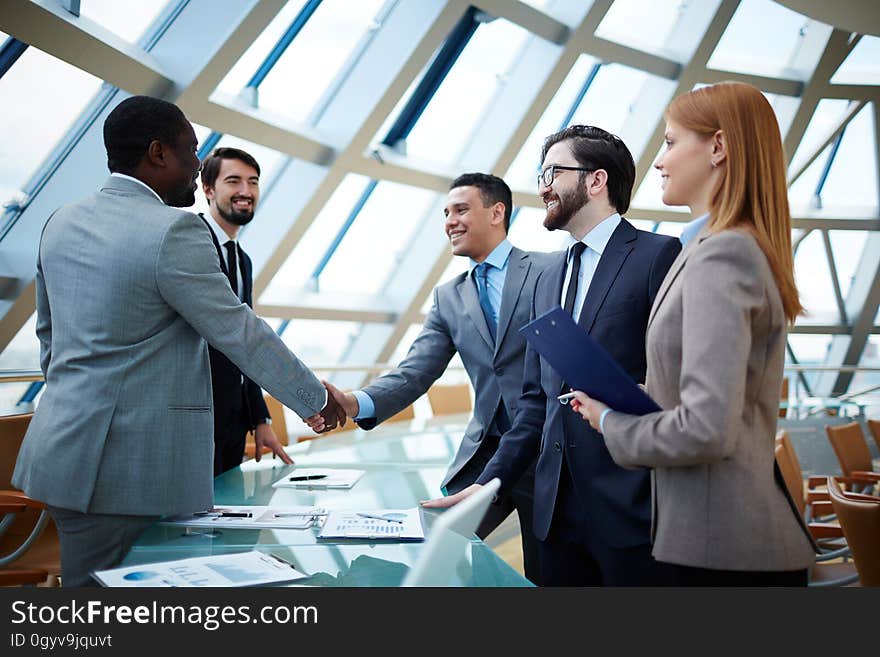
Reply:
x=128, y=291
x=495, y=296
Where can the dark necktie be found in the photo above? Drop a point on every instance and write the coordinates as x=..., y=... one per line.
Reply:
x=571, y=291
x=232, y=265
x=481, y=274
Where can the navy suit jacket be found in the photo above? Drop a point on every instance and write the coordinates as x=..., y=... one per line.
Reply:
x=225, y=376
x=615, y=313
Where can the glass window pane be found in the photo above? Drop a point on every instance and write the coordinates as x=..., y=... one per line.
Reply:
x=860, y=67
x=852, y=180
x=23, y=351
x=801, y=194
x=642, y=24
x=763, y=37
x=310, y=65
x=450, y=117
x=809, y=350
x=36, y=115
x=319, y=342
x=128, y=19
x=522, y=172
x=294, y=274
x=813, y=280
x=457, y=265
x=528, y=232
x=827, y=116
x=382, y=230
x=847, y=246
x=650, y=193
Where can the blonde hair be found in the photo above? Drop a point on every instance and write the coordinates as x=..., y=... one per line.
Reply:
x=751, y=193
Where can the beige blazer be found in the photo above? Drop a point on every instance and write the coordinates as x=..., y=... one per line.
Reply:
x=715, y=351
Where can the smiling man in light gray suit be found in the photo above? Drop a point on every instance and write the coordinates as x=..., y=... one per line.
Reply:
x=128, y=291
x=476, y=314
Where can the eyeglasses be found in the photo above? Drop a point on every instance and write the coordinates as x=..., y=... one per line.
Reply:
x=548, y=175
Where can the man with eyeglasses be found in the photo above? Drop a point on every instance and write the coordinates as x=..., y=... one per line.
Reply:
x=592, y=517
x=231, y=184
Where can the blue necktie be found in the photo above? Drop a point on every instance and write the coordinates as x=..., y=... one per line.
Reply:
x=481, y=274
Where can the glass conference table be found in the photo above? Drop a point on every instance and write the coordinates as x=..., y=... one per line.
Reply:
x=404, y=464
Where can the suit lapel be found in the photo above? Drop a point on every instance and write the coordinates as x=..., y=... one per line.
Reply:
x=468, y=293
x=246, y=278
x=615, y=254
x=555, y=276
x=517, y=269
x=674, y=271
x=220, y=253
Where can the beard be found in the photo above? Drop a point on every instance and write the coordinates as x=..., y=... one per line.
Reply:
x=570, y=203
x=239, y=218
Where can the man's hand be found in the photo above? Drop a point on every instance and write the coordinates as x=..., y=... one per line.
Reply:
x=329, y=416
x=265, y=438
x=452, y=500
x=346, y=400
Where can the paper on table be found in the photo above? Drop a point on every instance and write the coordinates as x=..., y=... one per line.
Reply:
x=251, y=517
x=390, y=524
x=239, y=569
x=319, y=478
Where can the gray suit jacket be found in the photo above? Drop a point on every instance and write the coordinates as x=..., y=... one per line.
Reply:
x=128, y=290
x=456, y=323
x=715, y=348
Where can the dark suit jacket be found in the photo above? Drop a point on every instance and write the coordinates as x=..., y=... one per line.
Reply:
x=615, y=313
x=229, y=395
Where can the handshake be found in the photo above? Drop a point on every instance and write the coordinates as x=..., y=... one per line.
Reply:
x=340, y=406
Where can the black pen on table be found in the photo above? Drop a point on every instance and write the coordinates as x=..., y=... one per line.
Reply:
x=307, y=477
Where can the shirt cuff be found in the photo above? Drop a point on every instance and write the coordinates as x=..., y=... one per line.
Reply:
x=602, y=420
x=366, y=407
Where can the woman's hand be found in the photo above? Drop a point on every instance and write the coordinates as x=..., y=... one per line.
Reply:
x=590, y=409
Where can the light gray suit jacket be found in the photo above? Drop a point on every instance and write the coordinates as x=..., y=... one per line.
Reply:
x=128, y=290
x=456, y=323
x=715, y=349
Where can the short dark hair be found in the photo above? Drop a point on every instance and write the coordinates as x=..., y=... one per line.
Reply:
x=492, y=190
x=595, y=148
x=134, y=124
x=211, y=164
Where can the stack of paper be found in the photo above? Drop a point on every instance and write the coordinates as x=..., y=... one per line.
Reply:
x=391, y=524
x=319, y=478
x=251, y=517
x=239, y=569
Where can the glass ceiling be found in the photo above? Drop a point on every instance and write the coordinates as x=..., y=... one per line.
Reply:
x=341, y=219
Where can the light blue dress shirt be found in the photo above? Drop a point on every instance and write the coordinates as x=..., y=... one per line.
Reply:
x=596, y=241
x=693, y=228
x=494, y=284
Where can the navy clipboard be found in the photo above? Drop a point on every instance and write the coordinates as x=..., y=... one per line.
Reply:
x=583, y=364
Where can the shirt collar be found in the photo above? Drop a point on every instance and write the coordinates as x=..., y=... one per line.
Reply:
x=498, y=257
x=693, y=228
x=139, y=182
x=597, y=239
x=221, y=234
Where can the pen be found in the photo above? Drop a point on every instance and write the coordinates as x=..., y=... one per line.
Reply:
x=307, y=477
x=567, y=397
x=236, y=514
x=378, y=517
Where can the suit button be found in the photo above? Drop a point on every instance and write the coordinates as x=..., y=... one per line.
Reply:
x=499, y=371
x=557, y=446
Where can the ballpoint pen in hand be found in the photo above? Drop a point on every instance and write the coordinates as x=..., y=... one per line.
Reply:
x=378, y=517
x=307, y=477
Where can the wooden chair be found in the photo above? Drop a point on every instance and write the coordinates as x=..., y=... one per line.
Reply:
x=783, y=396
x=449, y=400
x=28, y=537
x=822, y=573
x=279, y=426
x=853, y=454
x=859, y=517
x=874, y=427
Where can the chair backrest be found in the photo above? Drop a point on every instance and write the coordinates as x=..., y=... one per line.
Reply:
x=407, y=413
x=279, y=424
x=874, y=426
x=447, y=400
x=12, y=430
x=783, y=396
x=860, y=521
x=791, y=472
x=849, y=445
